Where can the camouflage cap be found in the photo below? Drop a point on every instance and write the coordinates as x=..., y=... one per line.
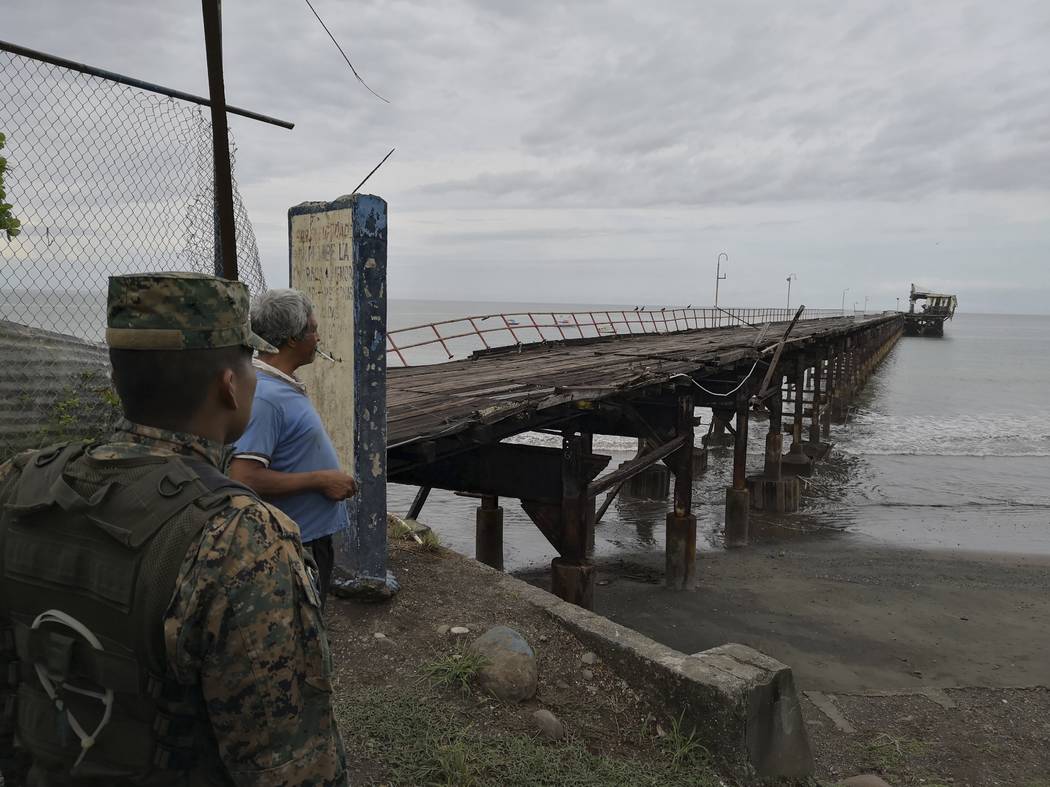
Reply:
x=179, y=311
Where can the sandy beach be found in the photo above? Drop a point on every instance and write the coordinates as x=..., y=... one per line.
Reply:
x=849, y=614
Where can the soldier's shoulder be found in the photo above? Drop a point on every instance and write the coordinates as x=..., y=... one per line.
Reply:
x=244, y=528
x=244, y=509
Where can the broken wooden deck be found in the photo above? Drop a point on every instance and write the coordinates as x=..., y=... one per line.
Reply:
x=527, y=384
x=447, y=424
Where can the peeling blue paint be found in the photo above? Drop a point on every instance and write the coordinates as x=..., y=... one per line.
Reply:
x=363, y=551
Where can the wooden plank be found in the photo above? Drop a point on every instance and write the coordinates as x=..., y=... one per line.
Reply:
x=633, y=467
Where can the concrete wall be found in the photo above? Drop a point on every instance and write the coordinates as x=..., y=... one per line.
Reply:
x=337, y=256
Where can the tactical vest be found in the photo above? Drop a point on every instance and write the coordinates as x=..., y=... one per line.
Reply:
x=91, y=551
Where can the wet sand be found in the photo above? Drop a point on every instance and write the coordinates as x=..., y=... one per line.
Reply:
x=848, y=613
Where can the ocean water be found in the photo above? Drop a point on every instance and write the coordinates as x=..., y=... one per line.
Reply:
x=948, y=447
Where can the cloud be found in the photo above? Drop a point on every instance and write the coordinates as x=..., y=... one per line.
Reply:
x=817, y=136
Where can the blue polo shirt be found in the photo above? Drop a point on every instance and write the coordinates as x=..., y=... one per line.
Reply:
x=285, y=433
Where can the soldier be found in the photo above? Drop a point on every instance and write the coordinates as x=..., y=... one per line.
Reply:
x=161, y=623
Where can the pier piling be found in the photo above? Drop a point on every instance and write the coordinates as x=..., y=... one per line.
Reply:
x=737, y=495
x=772, y=490
x=814, y=447
x=797, y=461
x=652, y=483
x=572, y=575
x=488, y=532
x=680, y=549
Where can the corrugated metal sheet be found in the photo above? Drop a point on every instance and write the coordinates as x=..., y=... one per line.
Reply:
x=52, y=387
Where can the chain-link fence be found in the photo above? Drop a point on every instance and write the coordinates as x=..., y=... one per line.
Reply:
x=105, y=179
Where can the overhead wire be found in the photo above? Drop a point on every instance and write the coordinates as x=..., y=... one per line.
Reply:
x=345, y=57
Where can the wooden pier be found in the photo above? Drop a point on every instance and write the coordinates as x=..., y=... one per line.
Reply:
x=446, y=422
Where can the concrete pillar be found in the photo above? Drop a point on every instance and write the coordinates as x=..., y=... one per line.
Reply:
x=771, y=491
x=573, y=581
x=829, y=390
x=737, y=514
x=653, y=483
x=587, y=446
x=717, y=437
x=780, y=497
x=350, y=298
x=814, y=447
x=700, y=459
x=737, y=496
x=488, y=533
x=797, y=462
x=680, y=570
x=775, y=435
x=853, y=361
x=799, y=402
x=814, y=413
x=840, y=400
x=572, y=575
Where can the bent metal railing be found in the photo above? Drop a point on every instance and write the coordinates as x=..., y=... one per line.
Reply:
x=463, y=335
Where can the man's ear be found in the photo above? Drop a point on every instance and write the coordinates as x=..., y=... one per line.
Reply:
x=228, y=390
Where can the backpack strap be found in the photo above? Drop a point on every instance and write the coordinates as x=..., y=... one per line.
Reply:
x=39, y=470
x=218, y=484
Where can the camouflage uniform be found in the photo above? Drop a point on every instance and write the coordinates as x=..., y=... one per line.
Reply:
x=243, y=627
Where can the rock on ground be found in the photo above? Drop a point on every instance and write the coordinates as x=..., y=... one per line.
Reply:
x=510, y=670
x=549, y=724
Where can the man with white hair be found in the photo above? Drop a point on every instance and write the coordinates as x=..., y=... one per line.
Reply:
x=285, y=454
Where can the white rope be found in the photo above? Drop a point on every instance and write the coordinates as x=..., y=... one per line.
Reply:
x=714, y=393
x=106, y=697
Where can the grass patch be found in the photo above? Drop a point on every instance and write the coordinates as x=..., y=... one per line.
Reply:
x=401, y=530
x=456, y=670
x=886, y=753
x=681, y=748
x=429, y=542
x=398, y=527
x=418, y=739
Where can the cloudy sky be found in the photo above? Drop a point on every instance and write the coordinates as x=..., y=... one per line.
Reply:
x=606, y=152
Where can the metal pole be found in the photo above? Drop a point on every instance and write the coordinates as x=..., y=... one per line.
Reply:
x=789, y=278
x=844, y=300
x=227, y=248
x=718, y=274
x=43, y=57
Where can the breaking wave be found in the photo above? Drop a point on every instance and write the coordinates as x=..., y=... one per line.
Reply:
x=987, y=435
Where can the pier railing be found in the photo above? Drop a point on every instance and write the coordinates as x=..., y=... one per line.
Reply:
x=448, y=339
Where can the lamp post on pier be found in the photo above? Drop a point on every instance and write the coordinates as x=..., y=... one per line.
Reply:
x=789, y=278
x=844, y=301
x=718, y=274
x=865, y=304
